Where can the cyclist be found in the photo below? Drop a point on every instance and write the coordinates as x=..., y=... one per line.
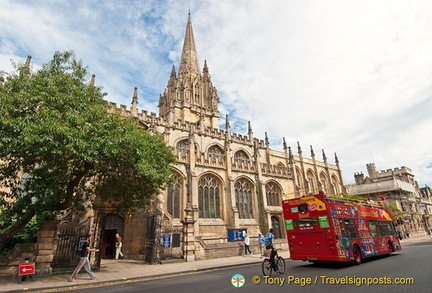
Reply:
x=269, y=246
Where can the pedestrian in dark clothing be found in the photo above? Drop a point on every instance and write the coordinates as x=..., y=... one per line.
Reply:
x=84, y=261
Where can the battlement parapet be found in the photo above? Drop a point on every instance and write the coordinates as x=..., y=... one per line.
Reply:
x=398, y=170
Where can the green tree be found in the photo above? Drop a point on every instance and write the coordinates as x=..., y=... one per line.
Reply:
x=351, y=197
x=397, y=213
x=60, y=148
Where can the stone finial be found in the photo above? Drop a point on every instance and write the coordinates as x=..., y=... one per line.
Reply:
x=92, y=80
x=299, y=148
x=312, y=152
x=134, y=108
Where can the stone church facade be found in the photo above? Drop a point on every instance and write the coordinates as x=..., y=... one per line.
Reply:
x=226, y=183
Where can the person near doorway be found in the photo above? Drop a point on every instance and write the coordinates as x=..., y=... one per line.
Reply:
x=247, y=243
x=84, y=261
x=261, y=240
x=119, y=245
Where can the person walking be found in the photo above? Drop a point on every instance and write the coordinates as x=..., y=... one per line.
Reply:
x=247, y=243
x=261, y=240
x=119, y=245
x=84, y=261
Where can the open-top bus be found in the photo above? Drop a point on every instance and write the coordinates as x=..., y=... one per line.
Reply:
x=320, y=228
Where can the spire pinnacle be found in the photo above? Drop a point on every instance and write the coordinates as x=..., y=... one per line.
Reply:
x=92, y=81
x=227, y=124
x=134, y=108
x=26, y=68
x=312, y=151
x=189, y=58
x=173, y=73
x=299, y=148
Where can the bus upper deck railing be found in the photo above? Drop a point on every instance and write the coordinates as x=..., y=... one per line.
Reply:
x=379, y=202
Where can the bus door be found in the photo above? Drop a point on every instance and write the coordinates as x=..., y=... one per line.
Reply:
x=346, y=236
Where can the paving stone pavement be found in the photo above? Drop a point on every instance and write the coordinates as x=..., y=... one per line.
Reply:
x=123, y=269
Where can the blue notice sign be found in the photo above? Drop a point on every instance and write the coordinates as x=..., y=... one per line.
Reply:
x=166, y=240
x=236, y=234
x=81, y=242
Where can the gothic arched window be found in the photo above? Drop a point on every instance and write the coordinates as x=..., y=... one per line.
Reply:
x=299, y=179
x=182, y=148
x=273, y=193
x=215, y=154
x=311, y=180
x=335, y=184
x=173, y=199
x=323, y=179
x=209, y=197
x=243, y=196
x=197, y=98
x=241, y=158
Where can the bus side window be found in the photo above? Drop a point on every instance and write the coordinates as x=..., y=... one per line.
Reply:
x=342, y=227
x=373, y=228
x=351, y=229
x=386, y=228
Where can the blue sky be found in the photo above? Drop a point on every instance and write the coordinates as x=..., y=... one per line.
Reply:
x=349, y=77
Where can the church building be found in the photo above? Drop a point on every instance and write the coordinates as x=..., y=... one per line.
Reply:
x=227, y=183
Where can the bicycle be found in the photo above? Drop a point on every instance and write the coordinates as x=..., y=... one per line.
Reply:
x=278, y=266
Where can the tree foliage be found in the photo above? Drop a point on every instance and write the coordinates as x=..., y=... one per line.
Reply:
x=395, y=211
x=59, y=147
x=351, y=197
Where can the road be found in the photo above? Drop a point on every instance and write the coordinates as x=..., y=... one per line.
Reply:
x=412, y=265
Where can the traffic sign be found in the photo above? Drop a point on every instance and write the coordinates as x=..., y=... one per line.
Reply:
x=26, y=268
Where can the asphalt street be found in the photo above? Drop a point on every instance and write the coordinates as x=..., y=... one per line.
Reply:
x=412, y=267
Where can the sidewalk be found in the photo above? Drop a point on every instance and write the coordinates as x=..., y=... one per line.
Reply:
x=122, y=270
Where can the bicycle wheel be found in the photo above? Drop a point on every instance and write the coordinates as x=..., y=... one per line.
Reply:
x=280, y=263
x=266, y=267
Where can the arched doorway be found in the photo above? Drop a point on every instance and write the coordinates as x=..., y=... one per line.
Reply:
x=276, y=227
x=113, y=225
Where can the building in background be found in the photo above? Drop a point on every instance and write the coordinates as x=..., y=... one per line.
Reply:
x=399, y=188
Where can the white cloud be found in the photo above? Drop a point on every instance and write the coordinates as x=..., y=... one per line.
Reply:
x=348, y=77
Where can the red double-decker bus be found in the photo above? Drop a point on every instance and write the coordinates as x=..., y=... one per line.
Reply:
x=320, y=228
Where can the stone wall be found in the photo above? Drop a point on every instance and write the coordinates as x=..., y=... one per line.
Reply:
x=236, y=248
x=9, y=263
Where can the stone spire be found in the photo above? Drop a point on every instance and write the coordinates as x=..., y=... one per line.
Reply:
x=26, y=68
x=190, y=97
x=250, y=132
x=227, y=134
x=189, y=58
x=267, y=142
x=134, y=108
x=312, y=152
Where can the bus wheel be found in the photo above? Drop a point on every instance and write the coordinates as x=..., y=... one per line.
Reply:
x=357, y=255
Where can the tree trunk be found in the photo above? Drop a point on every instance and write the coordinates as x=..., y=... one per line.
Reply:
x=17, y=227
